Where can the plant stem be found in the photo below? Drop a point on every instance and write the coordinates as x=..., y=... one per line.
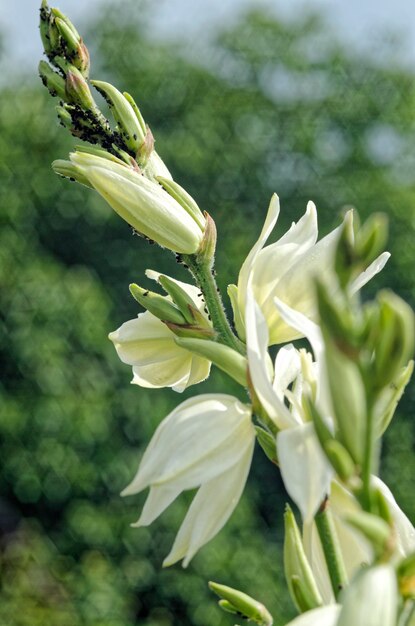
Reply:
x=331, y=548
x=368, y=461
x=203, y=274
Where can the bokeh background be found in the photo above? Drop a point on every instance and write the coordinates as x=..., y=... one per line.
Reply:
x=243, y=102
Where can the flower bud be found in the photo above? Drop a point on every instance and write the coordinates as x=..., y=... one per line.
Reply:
x=158, y=305
x=267, y=442
x=66, y=169
x=375, y=529
x=52, y=80
x=300, y=579
x=132, y=127
x=182, y=300
x=371, y=599
x=395, y=337
x=389, y=397
x=77, y=88
x=183, y=198
x=74, y=48
x=241, y=603
x=142, y=203
x=226, y=359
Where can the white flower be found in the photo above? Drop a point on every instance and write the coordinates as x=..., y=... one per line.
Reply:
x=149, y=346
x=324, y=616
x=144, y=204
x=206, y=442
x=355, y=549
x=286, y=269
x=304, y=468
x=371, y=599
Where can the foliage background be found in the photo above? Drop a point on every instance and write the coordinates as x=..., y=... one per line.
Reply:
x=273, y=107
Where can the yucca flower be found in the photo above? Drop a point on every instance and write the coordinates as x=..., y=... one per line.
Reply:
x=206, y=442
x=286, y=269
x=149, y=346
x=323, y=616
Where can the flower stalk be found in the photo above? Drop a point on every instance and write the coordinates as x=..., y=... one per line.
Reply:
x=331, y=548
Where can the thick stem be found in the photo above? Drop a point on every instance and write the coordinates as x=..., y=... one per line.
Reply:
x=331, y=548
x=204, y=276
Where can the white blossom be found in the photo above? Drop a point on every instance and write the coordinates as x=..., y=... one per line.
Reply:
x=286, y=269
x=206, y=442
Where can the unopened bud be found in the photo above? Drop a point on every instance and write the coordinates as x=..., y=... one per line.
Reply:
x=183, y=198
x=375, y=529
x=206, y=251
x=267, y=442
x=389, y=397
x=64, y=116
x=300, y=579
x=226, y=359
x=77, y=88
x=395, y=341
x=52, y=80
x=241, y=603
x=130, y=127
x=67, y=169
x=158, y=305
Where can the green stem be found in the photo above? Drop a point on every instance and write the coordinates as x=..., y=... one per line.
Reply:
x=331, y=548
x=204, y=276
x=368, y=462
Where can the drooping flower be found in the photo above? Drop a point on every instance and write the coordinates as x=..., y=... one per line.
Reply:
x=206, y=442
x=144, y=204
x=149, y=346
x=304, y=468
x=286, y=270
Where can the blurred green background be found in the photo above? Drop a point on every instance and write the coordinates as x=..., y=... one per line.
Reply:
x=274, y=107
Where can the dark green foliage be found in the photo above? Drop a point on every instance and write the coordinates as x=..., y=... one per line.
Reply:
x=276, y=108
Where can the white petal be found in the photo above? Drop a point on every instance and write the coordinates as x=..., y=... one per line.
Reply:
x=373, y=269
x=304, y=468
x=199, y=440
x=158, y=499
x=286, y=369
x=324, y=616
x=210, y=510
x=149, y=346
x=245, y=272
x=257, y=352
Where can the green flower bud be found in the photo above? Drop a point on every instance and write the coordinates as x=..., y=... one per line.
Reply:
x=395, y=337
x=300, y=579
x=70, y=39
x=182, y=197
x=389, y=397
x=241, y=603
x=59, y=15
x=348, y=395
x=44, y=28
x=67, y=169
x=375, y=529
x=267, y=442
x=226, y=359
x=77, y=88
x=158, y=305
x=130, y=126
x=52, y=80
x=371, y=238
x=182, y=300
x=64, y=117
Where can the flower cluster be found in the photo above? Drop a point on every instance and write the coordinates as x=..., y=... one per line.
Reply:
x=318, y=413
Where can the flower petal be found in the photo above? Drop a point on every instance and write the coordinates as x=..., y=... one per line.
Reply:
x=199, y=440
x=371, y=271
x=210, y=510
x=257, y=352
x=304, y=468
x=323, y=616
